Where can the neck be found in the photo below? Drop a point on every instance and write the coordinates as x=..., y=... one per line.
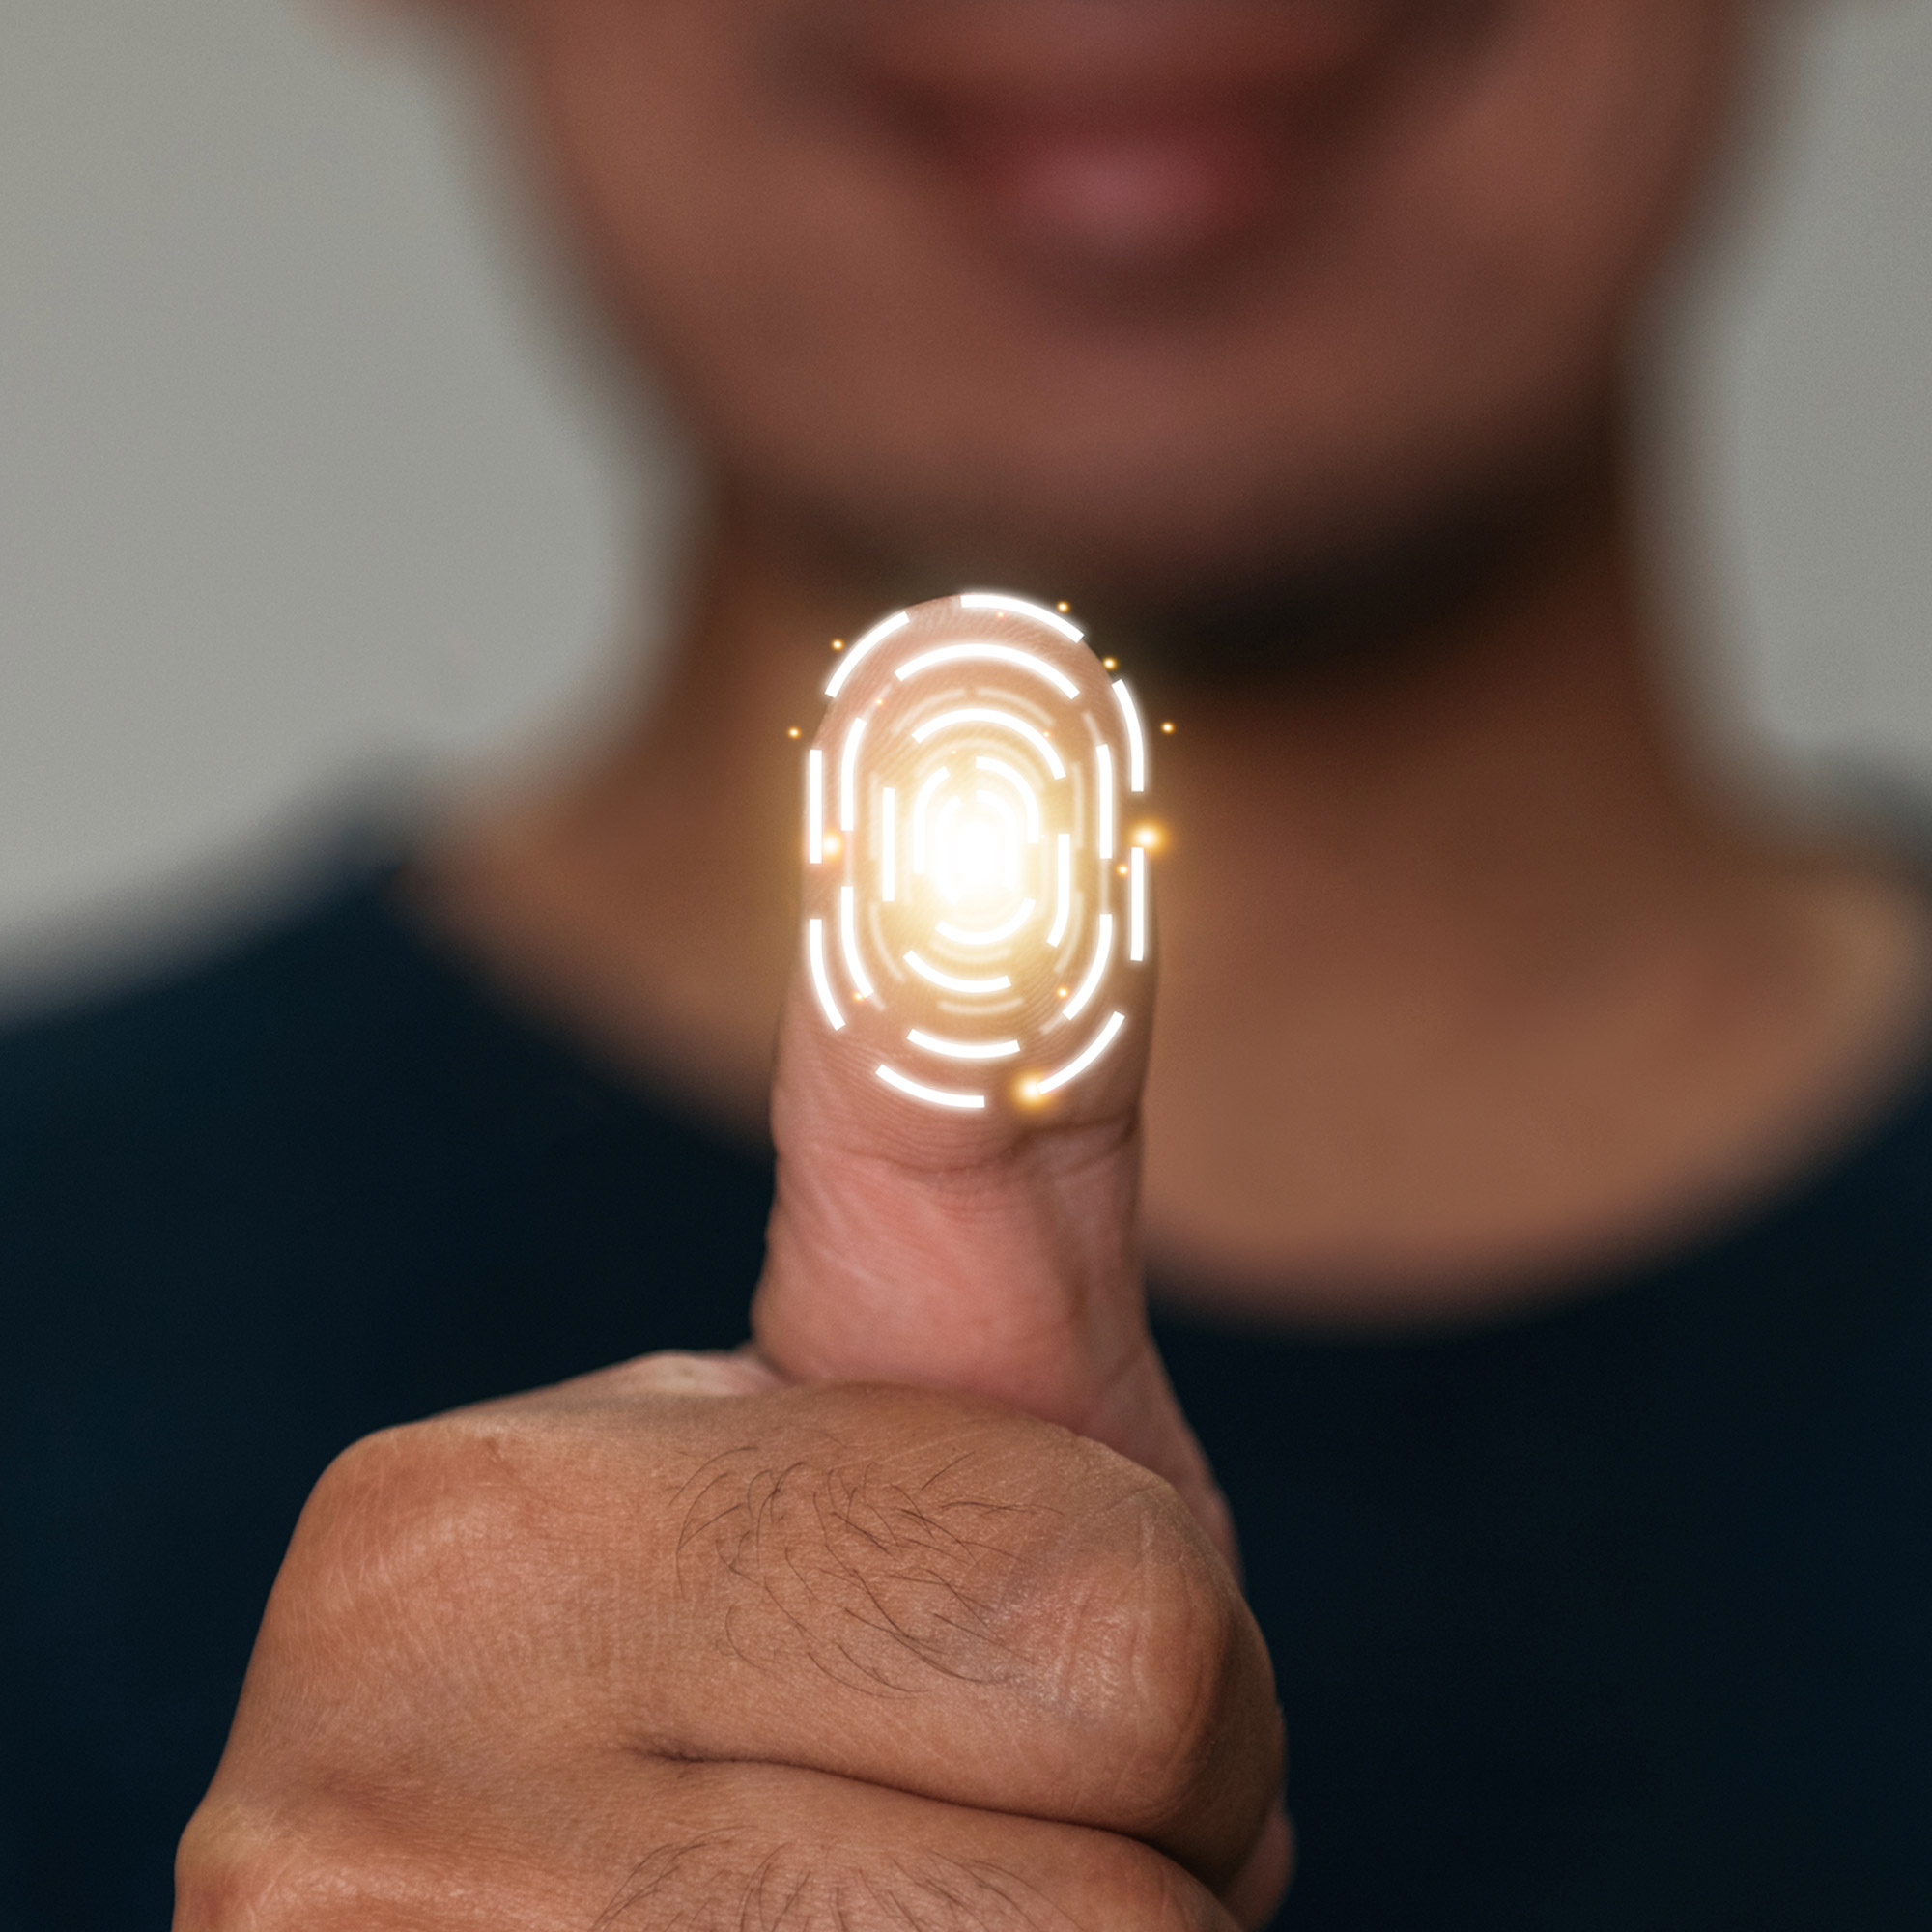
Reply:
x=1414, y=898
x=1486, y=782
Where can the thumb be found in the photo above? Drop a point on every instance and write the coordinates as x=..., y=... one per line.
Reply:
x=956, y=1103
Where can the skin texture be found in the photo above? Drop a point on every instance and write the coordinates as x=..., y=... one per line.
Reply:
x=648, y=1649
x=1284, y=340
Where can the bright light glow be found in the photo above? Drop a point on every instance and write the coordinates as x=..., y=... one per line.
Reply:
x=948, y=983
x=973, y=792
x=965, y=1049
x=933, y=1097
x=961, y=937
x=919, y=810
x=1028, y=798
x=993, y=653
x=1010, y=846
x=1019, y=607
x=1063, y=909
x=848, y=939
x=814, y=951
x=974, y=713
x=974, y=858
x=848, y=765
x=1103, y=952
x=943, y=850
x=1136, y=743
x=873, y=637
x=1085, y=1058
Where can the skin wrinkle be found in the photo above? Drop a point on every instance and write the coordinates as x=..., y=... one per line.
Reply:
x=1076, y=1295
x=1123, y=1653
x=937, y=1891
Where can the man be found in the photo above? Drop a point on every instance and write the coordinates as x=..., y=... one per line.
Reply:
x=1534, y=1155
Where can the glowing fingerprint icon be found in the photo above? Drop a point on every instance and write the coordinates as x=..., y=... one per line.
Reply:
x=972, y=921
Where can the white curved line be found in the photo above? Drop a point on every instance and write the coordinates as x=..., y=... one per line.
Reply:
x=995, y=653
x=1137, y=904
x=1136, y=740
x=877, y=635
x=919, y=804
x=889, y=845
x=848, y=940
x=965, y=1049
x=1085, y=1058
x=1065, y=910
x=961, y=937
x=933, y=1097
x=1017, y=780
x=976, y=714
x=1104, y=951
x=848, y=768
x=1103, y=760
x=814, y=951
x=947, y=984
x=1019, y=607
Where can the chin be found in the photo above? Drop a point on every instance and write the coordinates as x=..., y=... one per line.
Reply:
x=1166, y=522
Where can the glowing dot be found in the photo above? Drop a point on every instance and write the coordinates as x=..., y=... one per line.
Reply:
x=793, y=732
x=833, y=845
x=1063, y=606
x=1121, y=870
x=1168, y=728
x=1153, y=836
x=837, y=644
x=1111, y=664
x=1061, y=993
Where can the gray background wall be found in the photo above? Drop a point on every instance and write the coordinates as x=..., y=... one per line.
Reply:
x=298, y=489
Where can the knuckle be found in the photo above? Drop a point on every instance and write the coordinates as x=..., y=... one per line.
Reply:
x=429, y=1565
x=233, y=1876
x=1160, y=1662
x=1129, y=1886
x=430, y=1510
x=253, y=1870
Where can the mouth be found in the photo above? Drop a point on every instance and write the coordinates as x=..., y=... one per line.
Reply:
x=1118, y=136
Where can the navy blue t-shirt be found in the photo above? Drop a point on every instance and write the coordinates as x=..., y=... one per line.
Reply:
x=1616, y=1615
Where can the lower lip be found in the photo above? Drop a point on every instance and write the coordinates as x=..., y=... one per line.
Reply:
x=1123, y=194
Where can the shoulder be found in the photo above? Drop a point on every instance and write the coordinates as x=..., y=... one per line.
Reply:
x=331, y=1099
x=254, y=1039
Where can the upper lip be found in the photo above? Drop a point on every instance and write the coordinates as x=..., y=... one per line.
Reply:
x=1102, y=61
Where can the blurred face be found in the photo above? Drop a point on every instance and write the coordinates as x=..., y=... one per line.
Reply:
x=1150, y=294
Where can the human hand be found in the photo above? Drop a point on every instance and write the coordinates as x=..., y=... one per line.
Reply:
x=923, y=1615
